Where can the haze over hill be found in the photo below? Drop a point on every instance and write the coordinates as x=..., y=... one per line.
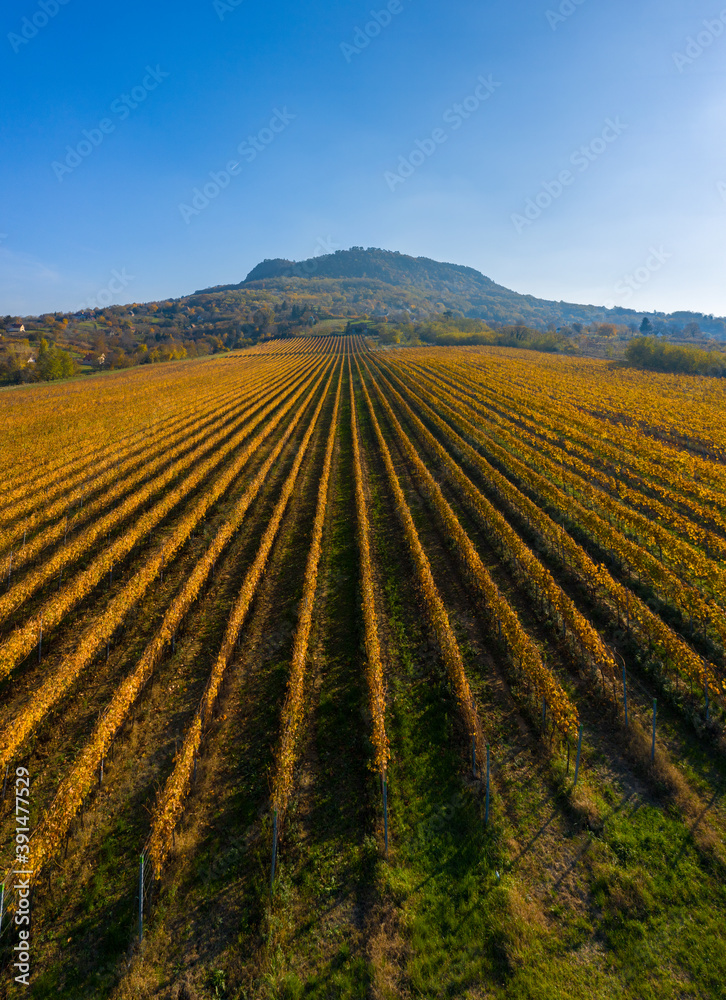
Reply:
x=393, y=281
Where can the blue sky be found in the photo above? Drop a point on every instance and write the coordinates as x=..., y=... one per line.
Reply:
x=97, y=185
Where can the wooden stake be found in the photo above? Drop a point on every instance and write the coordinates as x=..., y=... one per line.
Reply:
x=486, y=800
x=385, y=811
x=274, y=851
x=579, y=751
x=708, y=706
x=141, y=900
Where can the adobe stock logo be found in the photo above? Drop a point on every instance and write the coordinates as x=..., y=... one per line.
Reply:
x=566, y=9
x=94, y=137
x=249, y=150
x=582, y=159
x=224, y=7
x=105, y=296
x=631, y=283
x=454, y=117
x=362, y=37
x=30, y=26
x=695, y=47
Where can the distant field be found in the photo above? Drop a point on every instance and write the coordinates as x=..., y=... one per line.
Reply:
x=327, y=326
x=375, y=615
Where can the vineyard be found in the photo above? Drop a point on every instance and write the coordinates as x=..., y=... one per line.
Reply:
x=344, y=672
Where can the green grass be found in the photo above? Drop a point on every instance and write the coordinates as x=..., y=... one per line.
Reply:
x=650, y=918
x=443, y=873
x=652, y=930
x=662, y=908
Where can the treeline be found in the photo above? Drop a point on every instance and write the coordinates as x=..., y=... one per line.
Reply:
x=459, y=331
x=393, y=281
x=658, y=355
x=51, y=364
x=116, y=337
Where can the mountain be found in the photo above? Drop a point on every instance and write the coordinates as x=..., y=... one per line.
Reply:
x=383, y=281
x=379, y=265
x=422, y=300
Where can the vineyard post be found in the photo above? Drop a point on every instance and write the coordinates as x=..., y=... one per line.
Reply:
x=141, y=900
x=579, y=751
x=625, y=695
x=486, y=802
x=100, y=773
x=655, y=715
x=385, y=811
x=274, y=851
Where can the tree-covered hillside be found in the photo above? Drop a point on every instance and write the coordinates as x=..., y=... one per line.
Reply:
x=398, y=298
x=387, y=281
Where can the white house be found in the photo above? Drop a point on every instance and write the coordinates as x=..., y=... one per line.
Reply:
x=17, y=329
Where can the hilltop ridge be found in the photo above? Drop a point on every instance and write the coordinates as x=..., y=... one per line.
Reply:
x=391, y=281
x=391, y=295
